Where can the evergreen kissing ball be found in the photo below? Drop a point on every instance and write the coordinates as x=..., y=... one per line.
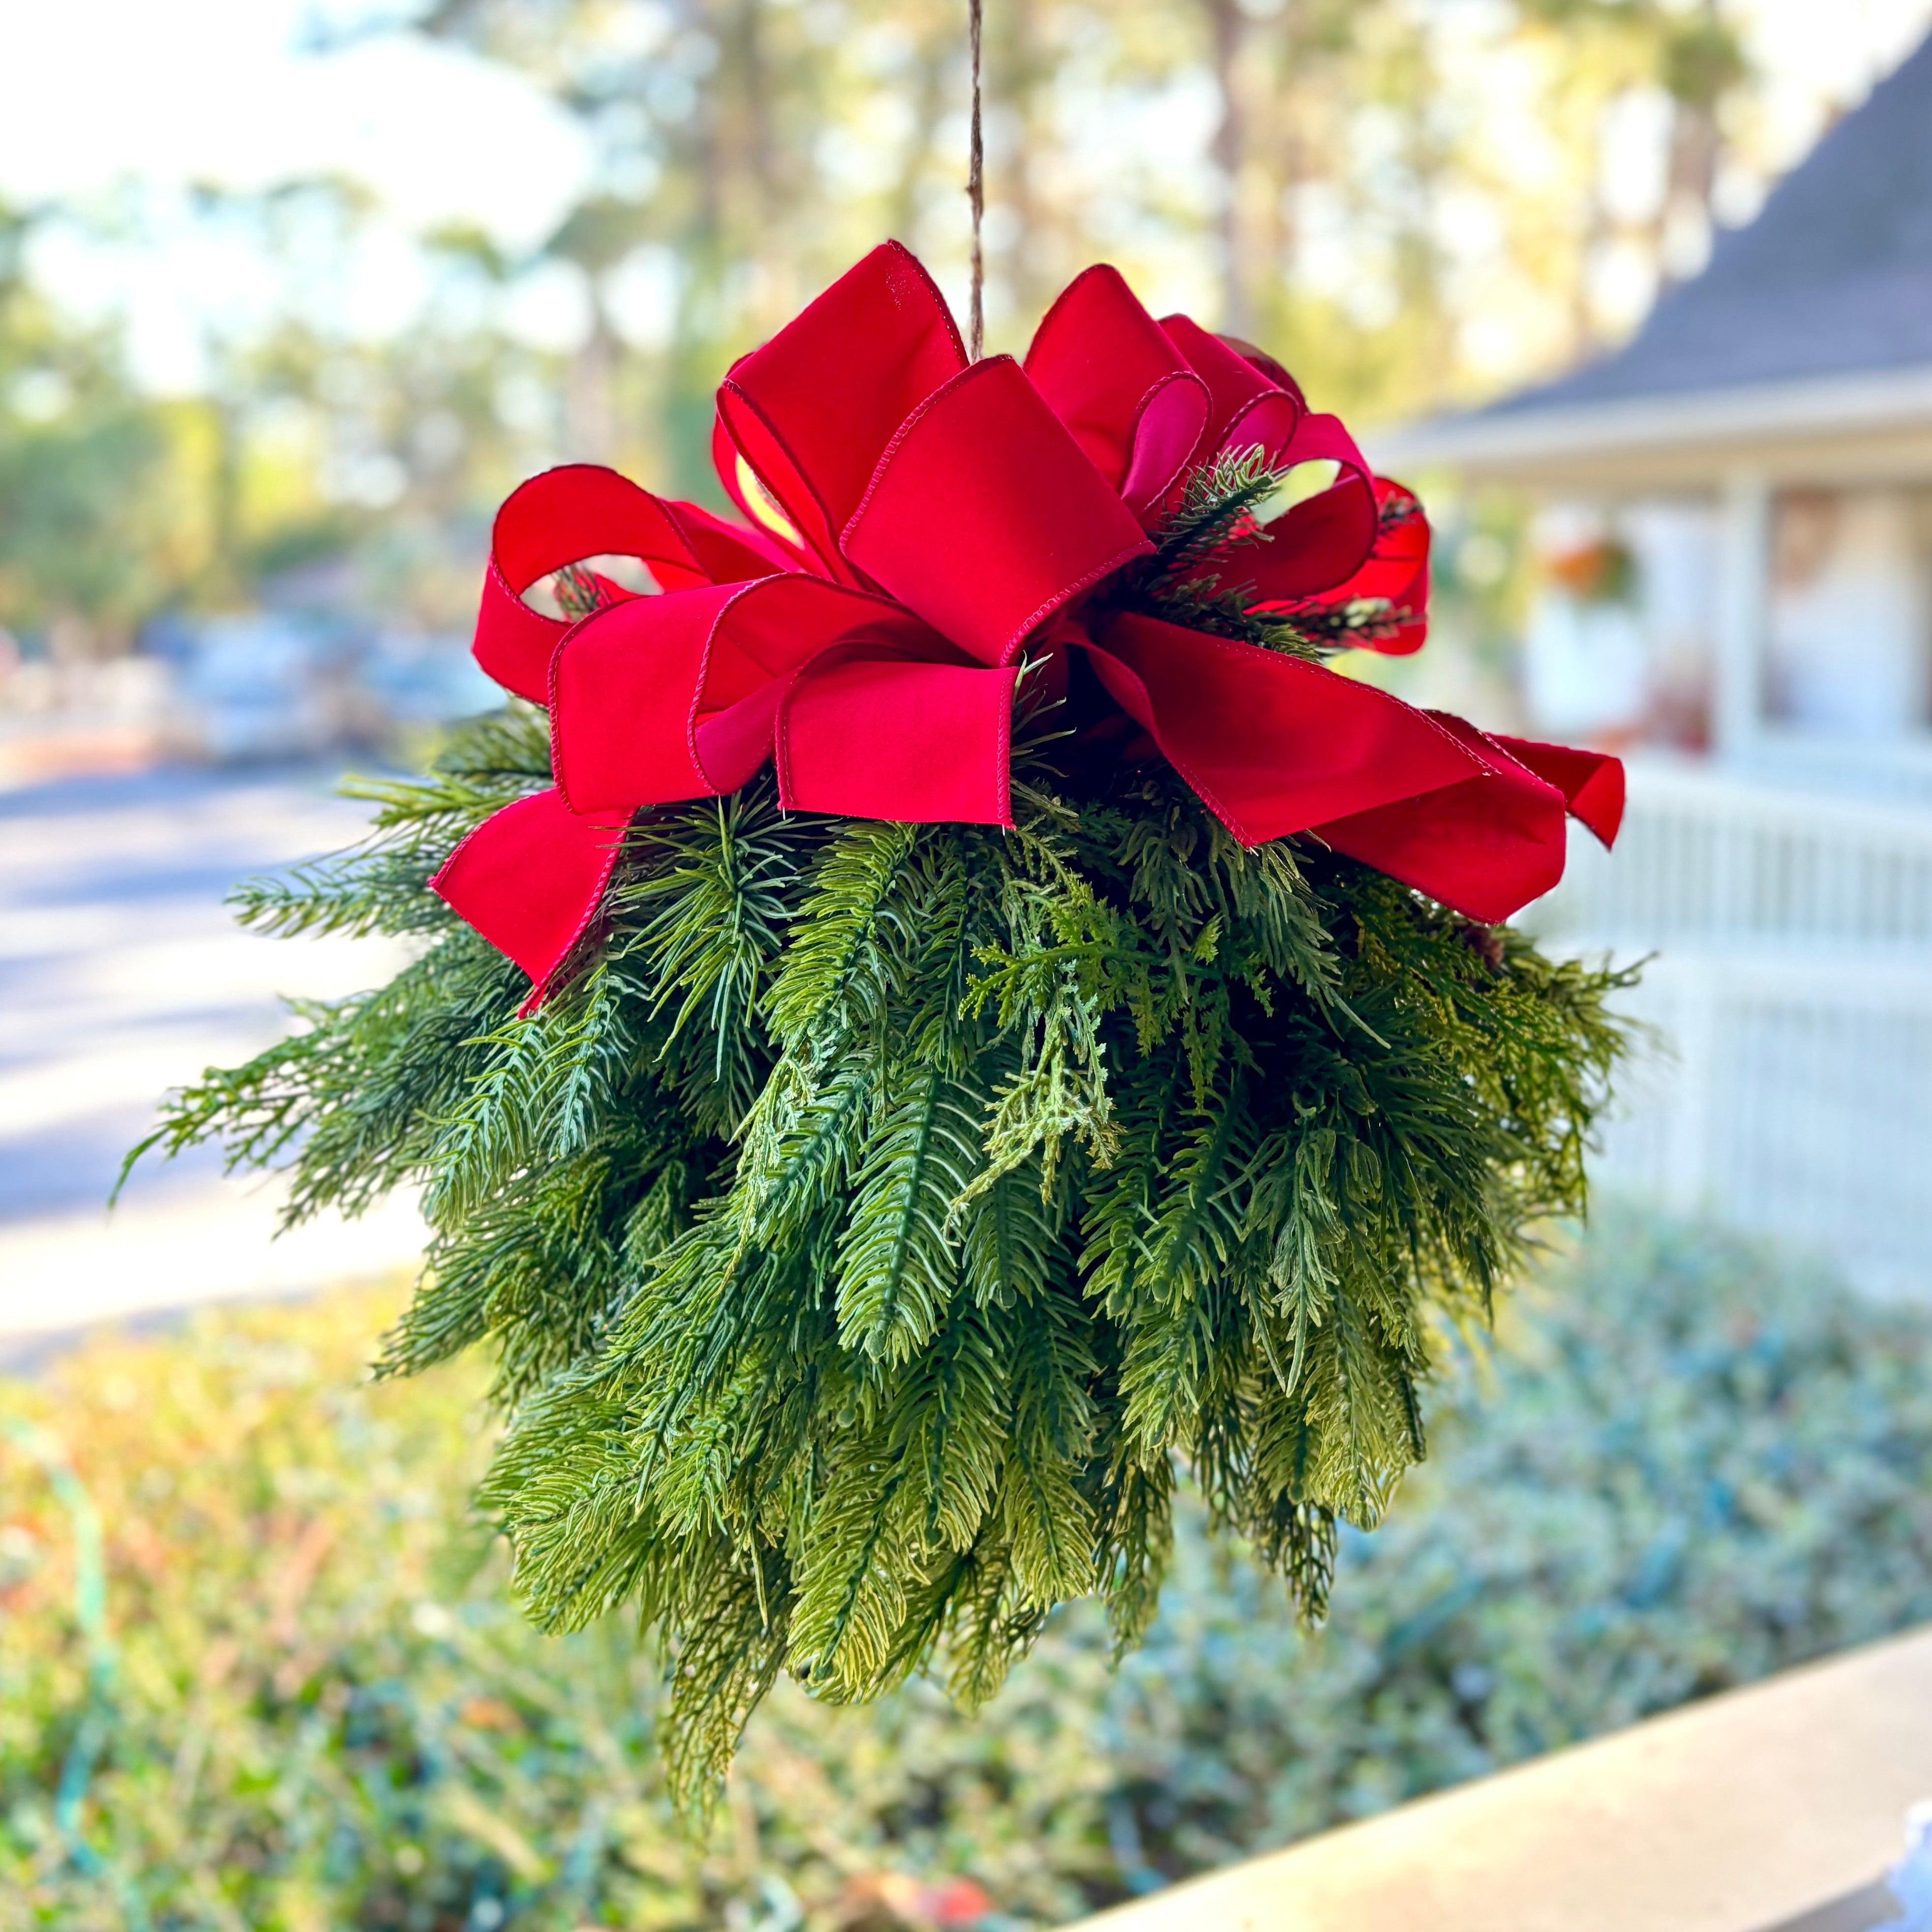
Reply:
x=947, y=1019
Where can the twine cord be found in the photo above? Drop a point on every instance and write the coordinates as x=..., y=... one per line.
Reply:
x=975, y=193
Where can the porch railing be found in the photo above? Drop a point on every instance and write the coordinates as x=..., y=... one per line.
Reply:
x=1784, y=1082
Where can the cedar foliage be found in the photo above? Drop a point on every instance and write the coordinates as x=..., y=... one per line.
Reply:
x=882, y=1219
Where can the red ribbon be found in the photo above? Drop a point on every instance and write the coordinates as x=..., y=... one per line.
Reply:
x=913, y=523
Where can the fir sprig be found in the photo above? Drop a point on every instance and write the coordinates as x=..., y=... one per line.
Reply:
x=1194, y=577
x=881, y=1219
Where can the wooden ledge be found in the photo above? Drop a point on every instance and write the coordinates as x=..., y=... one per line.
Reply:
x=1775, y=1808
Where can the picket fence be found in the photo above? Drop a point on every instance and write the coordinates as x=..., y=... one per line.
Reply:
x=1784, y=1083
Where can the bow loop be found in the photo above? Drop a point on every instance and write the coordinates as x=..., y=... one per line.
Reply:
x=583, y=510
x=1394, y=576
x=560, y=517
x=1263, y=364
x=726, y=552
x=985, y=516
x=811, y=411
x=1324, y=539
x=1246, y=409
x=1114, y=376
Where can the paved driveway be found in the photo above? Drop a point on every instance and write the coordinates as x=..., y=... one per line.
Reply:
x=121, y=975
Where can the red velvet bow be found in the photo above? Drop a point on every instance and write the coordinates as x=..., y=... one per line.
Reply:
x=914, y=522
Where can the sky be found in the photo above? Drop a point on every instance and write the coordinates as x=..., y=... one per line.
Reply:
x=1822, y=56
x=230, y=91
x=235, y=93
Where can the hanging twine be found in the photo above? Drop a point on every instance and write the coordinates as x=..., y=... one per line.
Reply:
x=975, y=193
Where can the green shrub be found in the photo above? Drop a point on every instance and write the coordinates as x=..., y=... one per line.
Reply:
x=307, y=1705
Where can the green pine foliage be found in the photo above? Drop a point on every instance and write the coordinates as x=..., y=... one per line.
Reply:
x=1194, y=578
x=882, y=1220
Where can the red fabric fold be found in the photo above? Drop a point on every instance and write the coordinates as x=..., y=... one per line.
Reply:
x=1116, y=379
x=725, y=553
x=674, y=697
x=1592, y=782
x=1263, y=364
x=563, y=517
x=1273, y=744
x=1485, y=846
x=1324, y=539
x=812, y=411
x=868, y=736
x=583, y=510
x=530, y=879
x=985, y=516
x=1247, y=409
x=1395, y=575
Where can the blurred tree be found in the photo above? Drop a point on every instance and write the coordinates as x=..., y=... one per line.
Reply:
x=761, y=145
x=98, y=509
x=1412, y=202
x=376, y=460
x=1606, y=56
x=1702, y=66
x=732, y=138
x=595, y=238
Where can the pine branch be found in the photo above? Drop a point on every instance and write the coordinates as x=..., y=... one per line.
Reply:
x=1193, y=579
x=897, y=1268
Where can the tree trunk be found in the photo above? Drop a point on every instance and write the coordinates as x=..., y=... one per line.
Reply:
x=1230, y=150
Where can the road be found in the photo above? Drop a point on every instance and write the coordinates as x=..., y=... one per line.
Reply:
x=122, y=974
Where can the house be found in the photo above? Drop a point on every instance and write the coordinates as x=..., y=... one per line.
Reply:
x=1739, y=509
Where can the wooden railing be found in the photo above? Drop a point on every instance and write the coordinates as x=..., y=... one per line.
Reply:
x=1778, y=1808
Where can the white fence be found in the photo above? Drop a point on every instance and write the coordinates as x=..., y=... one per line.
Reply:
x=1786, y=1084
x=1707, y=859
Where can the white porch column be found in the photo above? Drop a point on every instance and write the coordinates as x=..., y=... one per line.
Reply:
x=1743, y=612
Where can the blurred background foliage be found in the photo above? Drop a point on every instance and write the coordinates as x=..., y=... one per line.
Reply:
x=1412, y=202
x=257, y=1668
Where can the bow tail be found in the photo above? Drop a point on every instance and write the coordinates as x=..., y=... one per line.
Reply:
x=530, y=879
x=1485, y=847
x=1592, y=782
x=869, y=735
x=1275, y=745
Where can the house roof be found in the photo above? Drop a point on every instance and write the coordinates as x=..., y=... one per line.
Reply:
x=1813, y=324
x=1834, y=277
